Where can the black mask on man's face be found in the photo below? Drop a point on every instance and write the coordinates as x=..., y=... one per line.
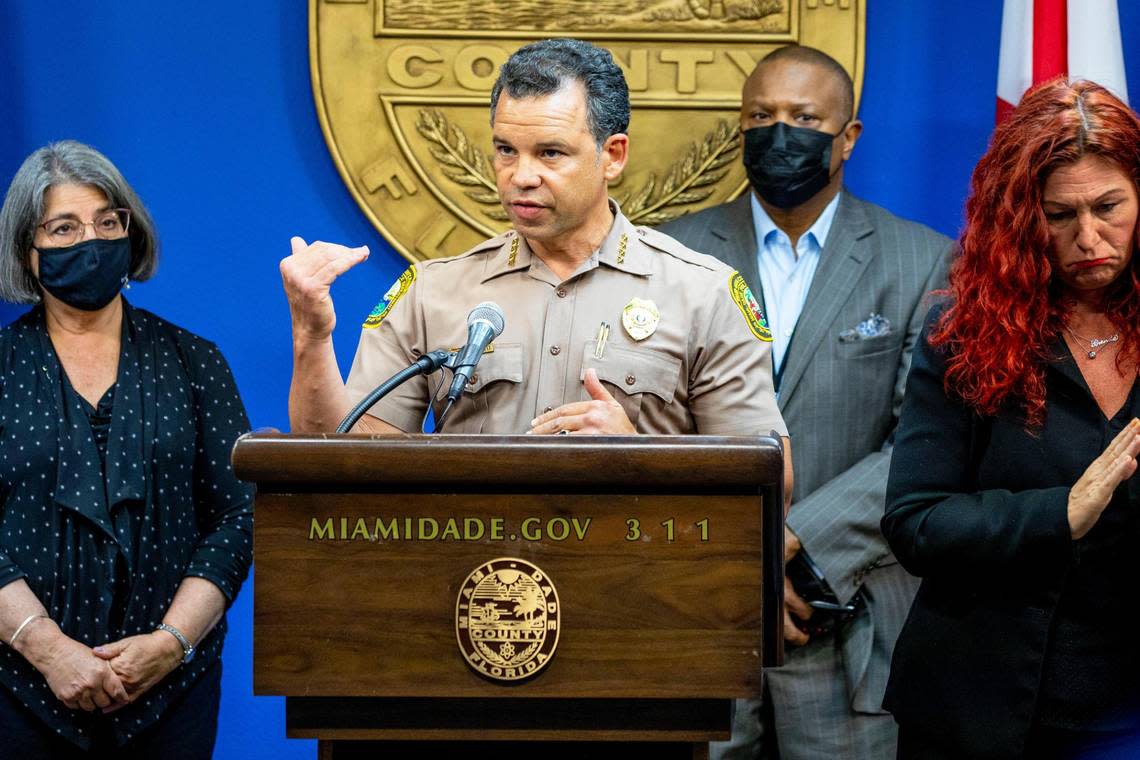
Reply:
x=787, y=166
x=86, y=275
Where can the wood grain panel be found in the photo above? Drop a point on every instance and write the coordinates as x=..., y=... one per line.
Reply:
x=348, y=604
x=640, y=618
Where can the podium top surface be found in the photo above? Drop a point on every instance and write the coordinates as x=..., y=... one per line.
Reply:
x=620, y=463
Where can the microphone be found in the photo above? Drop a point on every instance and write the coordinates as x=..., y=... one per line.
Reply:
x=484, y=324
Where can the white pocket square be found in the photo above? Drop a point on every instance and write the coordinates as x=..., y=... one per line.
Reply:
x=871, y=327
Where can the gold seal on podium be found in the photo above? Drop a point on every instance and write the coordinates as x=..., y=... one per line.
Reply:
x=506, y=619
x=402, y=90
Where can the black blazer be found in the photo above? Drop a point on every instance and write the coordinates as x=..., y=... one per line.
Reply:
x=977, y=507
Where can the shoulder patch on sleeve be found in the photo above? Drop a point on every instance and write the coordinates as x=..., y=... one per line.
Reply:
x=394, y=294
x=753, y=315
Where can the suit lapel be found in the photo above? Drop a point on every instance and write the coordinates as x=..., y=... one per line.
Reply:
x=841, y=264
x=737, y=238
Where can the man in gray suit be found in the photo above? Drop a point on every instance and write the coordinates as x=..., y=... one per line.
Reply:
x=845, y=286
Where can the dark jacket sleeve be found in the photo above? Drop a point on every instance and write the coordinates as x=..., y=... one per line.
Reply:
x=937, y=520
x=9, y=570
x=223, y=504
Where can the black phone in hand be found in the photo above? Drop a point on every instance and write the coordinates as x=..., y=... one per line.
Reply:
x=827, y=612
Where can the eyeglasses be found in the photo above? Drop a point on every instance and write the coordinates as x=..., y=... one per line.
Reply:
x=111, y=224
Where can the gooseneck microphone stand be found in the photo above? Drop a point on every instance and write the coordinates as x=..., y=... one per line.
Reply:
x=425, y=365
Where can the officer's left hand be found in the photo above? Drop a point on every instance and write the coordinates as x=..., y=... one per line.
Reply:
x=602, y=415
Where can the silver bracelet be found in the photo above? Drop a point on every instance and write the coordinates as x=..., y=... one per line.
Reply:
x=187, y=647
x=22, y=626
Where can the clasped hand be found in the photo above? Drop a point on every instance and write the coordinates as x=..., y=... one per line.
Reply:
x=141, y=661
x=107, y=677
x=77, y=677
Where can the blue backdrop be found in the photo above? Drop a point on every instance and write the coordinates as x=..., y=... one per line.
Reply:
x=207, y=110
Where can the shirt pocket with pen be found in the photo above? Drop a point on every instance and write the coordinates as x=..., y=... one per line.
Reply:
x=636, y=377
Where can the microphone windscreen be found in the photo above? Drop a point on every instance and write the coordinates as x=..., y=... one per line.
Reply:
x=490, y=312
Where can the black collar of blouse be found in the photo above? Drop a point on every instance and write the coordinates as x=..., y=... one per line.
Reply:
x=81, y=484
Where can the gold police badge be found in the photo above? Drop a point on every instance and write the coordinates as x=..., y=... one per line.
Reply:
x=639, y=318
x=402, y=93
x=506, y=619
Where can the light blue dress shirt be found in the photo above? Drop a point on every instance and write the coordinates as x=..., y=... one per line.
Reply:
x=786, y=274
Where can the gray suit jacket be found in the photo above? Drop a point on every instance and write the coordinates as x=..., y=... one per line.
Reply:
x=841, y=401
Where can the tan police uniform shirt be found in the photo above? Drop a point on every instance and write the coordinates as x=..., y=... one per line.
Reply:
x=704, y=368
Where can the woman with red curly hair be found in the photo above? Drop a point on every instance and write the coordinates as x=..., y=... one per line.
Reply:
x=1011, y=492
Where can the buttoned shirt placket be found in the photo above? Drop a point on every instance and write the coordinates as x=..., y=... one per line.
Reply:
x=555, y=359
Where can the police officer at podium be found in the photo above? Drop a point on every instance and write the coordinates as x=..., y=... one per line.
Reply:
x=611, y=328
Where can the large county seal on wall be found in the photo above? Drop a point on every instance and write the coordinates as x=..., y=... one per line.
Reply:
x=402, y=92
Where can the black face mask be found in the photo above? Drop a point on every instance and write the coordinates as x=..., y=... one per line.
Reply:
x=785, y=165
x=86, y=275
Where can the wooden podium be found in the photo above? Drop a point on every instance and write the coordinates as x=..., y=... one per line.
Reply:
x=665, y=554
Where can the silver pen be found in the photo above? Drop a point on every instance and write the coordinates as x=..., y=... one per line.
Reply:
x=600, y=341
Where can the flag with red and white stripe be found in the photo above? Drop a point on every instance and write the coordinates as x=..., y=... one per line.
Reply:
x=1041, y=39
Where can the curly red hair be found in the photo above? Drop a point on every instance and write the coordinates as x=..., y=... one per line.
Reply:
x=1007, y=310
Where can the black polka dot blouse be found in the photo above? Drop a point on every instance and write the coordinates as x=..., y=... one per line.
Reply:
x=104, y=538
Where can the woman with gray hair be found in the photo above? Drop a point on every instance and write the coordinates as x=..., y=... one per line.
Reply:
x=124, y=534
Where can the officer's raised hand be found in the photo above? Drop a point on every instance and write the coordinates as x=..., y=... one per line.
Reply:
x=307, y=274
x=601, y=415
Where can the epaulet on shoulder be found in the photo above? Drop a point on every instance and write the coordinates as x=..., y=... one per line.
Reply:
x=675, y=248
x=491, y=244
